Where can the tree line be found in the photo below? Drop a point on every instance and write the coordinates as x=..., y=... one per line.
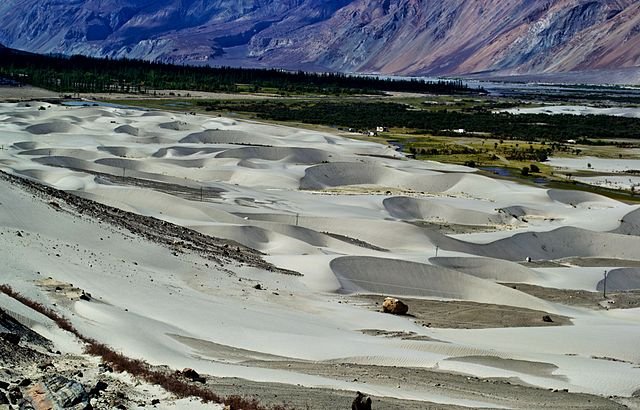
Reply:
x=80, y=74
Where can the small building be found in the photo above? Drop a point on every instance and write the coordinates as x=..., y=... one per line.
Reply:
x=382, y=129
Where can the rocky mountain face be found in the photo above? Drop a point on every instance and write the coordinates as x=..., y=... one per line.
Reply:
x=385, y=36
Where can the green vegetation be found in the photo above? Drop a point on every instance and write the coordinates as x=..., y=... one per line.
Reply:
x=362, y=115
x=79, y=74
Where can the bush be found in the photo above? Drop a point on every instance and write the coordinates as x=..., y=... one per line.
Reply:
x=524, y=171
x=534, y=168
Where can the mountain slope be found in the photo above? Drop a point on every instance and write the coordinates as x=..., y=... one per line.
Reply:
x=387, y=36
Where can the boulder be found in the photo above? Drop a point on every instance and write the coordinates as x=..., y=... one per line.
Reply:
x=193, y=375
x=394, y=306
x=361, y=402
x=58, y=392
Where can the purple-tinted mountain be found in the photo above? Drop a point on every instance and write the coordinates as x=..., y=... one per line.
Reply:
x=386, y=36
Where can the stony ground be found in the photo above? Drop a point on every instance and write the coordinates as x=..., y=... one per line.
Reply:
x=582, y=298
x=468, y=315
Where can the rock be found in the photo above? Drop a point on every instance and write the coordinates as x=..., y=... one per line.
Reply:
x=59, y=392
x=4, y=385
x=100, y=386
x=394, y=306
x=193, y=375
x=258, y=287
x=3, y=398
x=46, y=365
x=15, y=395
x=155, y=402
x=11, y=337
x=361, y=402
x=85, y=297
x=547, y=318
x=25, y=382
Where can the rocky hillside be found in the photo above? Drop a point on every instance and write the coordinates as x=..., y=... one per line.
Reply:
x=387, y=36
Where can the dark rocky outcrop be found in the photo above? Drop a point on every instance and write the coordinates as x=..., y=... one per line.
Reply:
x=361, y=402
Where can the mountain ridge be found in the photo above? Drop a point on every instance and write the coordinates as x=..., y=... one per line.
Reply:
x=406, y=37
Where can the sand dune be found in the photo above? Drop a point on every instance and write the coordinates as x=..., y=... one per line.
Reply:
x=560, y=243
x=287, y=154
x=26, y=145
x=538, y=369
x=128, y=129
x=383, y=234
x=125, y=152
x=576, y=197
x=62, y=180
x=621, y=280
x=630, y=224
x=122, y=163
x=412, y=208
x=493, y=269
x=349, y=173
x=177, y=126
x=402, y=278
x=245, y=163
x=225, y=137
x=267, y=241
x=132, y=169
x=318, y=204
x=181, y=151
x=157, y=114
x=519, y=211
x=341, y=174
x=51, y=127
x=61, y=152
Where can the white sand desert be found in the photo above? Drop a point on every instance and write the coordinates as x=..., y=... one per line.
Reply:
x=351, y=217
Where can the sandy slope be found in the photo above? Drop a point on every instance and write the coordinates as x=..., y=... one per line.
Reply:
x=333, y=209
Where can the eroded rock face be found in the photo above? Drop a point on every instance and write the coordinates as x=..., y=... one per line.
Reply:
x=394, y=306
x=398, y=37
